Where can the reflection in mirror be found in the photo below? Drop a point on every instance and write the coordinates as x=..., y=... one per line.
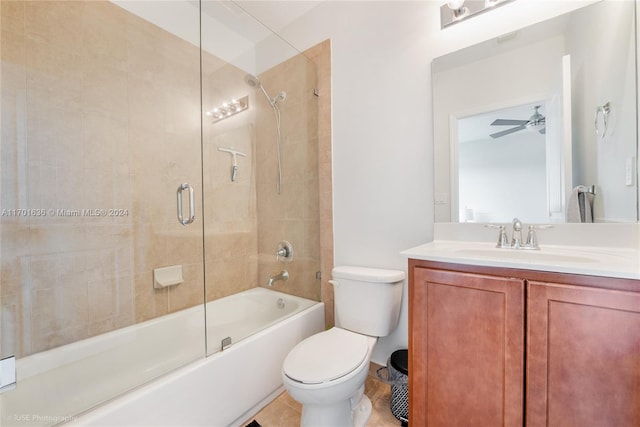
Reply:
x=570, y=66
x=504, y=143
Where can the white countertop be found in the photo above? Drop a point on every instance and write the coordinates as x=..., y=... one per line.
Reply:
x=589, y=260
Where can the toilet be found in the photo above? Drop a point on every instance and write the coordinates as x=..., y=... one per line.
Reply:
x=327, y=371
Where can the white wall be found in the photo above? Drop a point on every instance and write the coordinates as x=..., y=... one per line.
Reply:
x=495, y=174
x=605, y=56
x=382, y=127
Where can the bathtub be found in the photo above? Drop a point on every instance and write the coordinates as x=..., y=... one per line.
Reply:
x=182, y=387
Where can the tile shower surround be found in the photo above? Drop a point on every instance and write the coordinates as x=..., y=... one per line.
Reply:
x=96, y=103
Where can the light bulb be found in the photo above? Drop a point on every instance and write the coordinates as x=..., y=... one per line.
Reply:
x=455, y=4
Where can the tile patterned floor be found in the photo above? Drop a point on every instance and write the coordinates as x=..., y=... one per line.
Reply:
x=284, y=411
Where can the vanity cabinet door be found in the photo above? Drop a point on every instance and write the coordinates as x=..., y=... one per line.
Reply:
x=583, y=356
x=466, y=344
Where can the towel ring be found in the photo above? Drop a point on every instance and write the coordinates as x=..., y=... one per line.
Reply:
x=603, y=110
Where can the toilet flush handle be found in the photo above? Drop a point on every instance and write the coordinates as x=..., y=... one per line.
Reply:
x=334, y=283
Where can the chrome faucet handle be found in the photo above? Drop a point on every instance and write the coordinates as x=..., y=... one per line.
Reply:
x=516, y=236
x=284, y=251
x=532, y=238
x=503, y=240
x=517, y=224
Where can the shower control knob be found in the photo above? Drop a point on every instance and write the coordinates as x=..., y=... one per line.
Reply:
x=284, y=251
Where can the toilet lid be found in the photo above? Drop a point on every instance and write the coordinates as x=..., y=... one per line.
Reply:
x=326, y=356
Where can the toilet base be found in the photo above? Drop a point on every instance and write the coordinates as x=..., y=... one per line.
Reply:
x=338, y=414
x=362, y=412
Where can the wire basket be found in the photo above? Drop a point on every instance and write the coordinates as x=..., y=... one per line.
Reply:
x=399, y=382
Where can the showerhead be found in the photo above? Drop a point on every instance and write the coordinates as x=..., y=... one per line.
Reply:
x=252, y=81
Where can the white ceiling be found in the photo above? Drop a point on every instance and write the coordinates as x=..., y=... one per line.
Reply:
x=231, y=29
x=255, y=20
x=276, y=14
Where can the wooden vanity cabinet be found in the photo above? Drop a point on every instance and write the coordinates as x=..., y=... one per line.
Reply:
x=466, y=343
x=583, y=356
x=467, y=352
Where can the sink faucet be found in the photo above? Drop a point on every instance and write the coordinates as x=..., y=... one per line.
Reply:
x=516, y=236
x=283, y=275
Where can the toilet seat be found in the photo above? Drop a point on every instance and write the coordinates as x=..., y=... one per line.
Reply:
x=326, y=356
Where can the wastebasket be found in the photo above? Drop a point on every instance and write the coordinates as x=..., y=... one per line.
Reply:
x=397, y=375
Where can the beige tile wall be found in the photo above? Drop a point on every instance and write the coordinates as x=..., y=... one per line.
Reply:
x=101, y=110
x=303, y=213
x=230, y=207
x=292, y=215
x=89, y=91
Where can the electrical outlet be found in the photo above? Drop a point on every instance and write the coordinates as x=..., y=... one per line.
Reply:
x=628, y=171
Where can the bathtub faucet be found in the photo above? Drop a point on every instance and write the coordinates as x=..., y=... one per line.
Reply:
x=283, y=275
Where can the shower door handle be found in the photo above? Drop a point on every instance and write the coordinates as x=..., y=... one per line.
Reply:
x=192, y=204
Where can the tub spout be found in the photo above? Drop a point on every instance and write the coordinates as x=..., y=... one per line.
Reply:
x=283, y=275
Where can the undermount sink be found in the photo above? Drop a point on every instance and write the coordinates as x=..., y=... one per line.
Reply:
x=524, y=255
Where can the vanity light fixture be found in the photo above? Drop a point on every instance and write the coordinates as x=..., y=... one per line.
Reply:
x=455, y=11
x=458, y=9
x=228, y=109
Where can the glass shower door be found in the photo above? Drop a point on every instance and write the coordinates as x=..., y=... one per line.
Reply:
x=260, y=178
x=101, y=279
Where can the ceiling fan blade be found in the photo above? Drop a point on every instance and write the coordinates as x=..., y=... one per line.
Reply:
x=508, y=122
x=507, y=132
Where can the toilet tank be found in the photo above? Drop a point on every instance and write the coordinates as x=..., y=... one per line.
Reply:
x=367, y=300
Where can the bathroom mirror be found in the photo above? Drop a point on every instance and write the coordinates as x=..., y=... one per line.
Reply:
x=525, y=121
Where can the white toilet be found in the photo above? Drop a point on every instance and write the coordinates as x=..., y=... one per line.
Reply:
x=326, y=372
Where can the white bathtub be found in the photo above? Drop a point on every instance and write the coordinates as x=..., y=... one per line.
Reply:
x=219, y=390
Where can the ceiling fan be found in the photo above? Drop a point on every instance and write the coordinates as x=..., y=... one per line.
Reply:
x=536, y=121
